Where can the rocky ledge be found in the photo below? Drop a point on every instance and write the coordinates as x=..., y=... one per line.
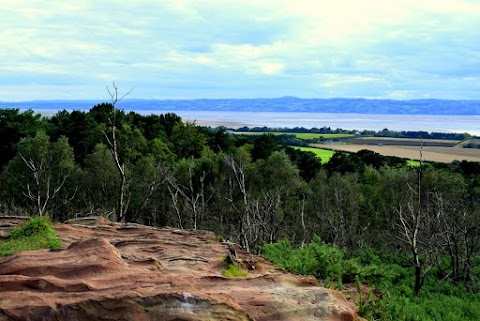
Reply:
x=111, y=271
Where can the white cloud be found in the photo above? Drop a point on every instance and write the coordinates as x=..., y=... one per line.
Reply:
x=271, y=68
x=232, y=48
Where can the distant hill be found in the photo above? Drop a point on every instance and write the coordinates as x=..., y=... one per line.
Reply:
x=284, y=104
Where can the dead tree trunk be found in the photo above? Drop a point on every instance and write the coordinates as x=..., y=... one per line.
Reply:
x=413, y=222
x=112, y=141
x=243, y=215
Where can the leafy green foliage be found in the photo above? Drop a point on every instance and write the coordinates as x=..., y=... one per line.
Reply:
x=307, y=161
x=39, y=174
x=186, y=140
x=264, y=146
x=15, y=125
x=390, y=295
x=36, y=233
x=324, y=261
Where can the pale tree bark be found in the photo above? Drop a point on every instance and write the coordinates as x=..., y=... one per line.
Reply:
x=50, y=165
x=195, y=200
x=42, y=181
x=243, y=214
x=267, y=217
x=112, y=141
x=459, y=236
x=414, y=221
x=162, y=177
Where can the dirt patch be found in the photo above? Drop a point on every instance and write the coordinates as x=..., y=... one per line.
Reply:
x=401, y=141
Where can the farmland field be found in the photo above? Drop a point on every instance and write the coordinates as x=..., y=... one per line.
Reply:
x=429, y=153
x=300, y=135
x=419, y=140
x=402, y=141
x=324, y=154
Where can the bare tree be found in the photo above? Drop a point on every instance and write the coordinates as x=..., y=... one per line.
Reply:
x=195, y=198
x=162, y=175
x=414, y=227
x=112, y=141
x=237, y=181
x=458, y=238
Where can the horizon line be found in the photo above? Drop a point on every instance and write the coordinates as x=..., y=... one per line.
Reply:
x=258, y=98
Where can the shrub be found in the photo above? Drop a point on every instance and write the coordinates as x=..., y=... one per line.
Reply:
x=324, y=261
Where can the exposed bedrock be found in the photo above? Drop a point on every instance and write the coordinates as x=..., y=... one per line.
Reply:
x=110, y=271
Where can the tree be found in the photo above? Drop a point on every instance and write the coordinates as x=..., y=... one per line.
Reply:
x=188, y=183
x=101, y=181
x=122, y=204
x=147, y=175
x=168, y=121
x=79, y=128
x=307, y=162
x=239, y=197
x=415, y=229
x=187, y=140
x=41, y=169
x=264, y=146
x=15, y=125
x=342, y=162
x=219, y=139
x=279, y=187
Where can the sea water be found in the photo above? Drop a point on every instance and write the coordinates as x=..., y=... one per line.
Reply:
x=430, y=123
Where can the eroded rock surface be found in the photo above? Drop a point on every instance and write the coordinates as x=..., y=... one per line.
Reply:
x=110, y=271
x=8, y=222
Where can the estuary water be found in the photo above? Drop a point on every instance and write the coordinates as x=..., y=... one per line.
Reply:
x=430, y=123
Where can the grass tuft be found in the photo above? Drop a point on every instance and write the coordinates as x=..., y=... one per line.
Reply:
x=36, y=233
x=232, y=271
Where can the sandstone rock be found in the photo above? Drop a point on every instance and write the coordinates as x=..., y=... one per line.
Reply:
x=110, y=271
x=8, y=222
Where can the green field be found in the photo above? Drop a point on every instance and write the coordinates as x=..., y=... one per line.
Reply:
x=324, y=154
x=300, y=135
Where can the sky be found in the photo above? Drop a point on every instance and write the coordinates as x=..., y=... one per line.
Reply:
x=187, y=49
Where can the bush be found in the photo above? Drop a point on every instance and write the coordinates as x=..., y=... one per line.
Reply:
x=324, y=261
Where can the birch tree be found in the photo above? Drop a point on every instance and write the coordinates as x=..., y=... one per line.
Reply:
x=112, y=141
x=41, y=169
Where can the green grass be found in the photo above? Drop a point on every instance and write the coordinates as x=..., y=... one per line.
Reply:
x=232, y=271
x=300, y=135
x=413, y=163
x=324, y=154
x=36, y=233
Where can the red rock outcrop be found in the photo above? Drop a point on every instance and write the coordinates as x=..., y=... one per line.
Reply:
x=110, y=271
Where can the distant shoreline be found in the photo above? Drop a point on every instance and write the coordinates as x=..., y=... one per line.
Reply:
x=349, y=121
x=288, y=112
